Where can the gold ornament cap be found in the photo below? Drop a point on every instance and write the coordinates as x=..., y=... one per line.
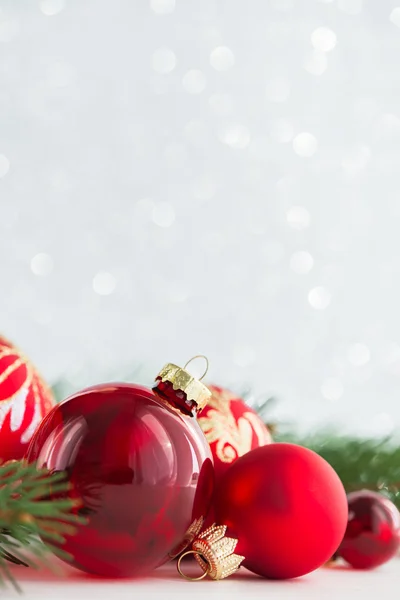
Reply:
x=214, y=552
x=181, y=389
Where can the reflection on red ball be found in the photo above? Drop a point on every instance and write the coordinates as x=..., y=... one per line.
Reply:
x=373, y=532
x=231, y=427
x=286, y=506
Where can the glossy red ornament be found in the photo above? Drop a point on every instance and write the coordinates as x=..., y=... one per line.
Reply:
x=286, y=506
x=138, y=461
x=373, y=531
x=24, y=400
x=231, y=427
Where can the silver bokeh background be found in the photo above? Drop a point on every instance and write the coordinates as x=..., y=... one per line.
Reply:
x=214, y=176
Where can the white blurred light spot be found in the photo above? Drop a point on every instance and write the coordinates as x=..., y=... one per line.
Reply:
x=332, y=389
x=163, y=60
x=351, y=7
x=319, y=298
x=282, y=131
x=316, y=62
x=194, y=81
x=104, y=283
x=4, y=165
x=358, y=354
x=8, y=30
x=356, y=159
x=243, y=356
x=278, y=89
x=222, y=58
x=323, y=39
x=51, y=7
x=60, y=74
x=42, y=264
x=162, y=7
x=298, y=217
x=163, y=214
x=178, y=293
x=221, y=104
x=305, y=144
x=235, y=135
x=301, y=262
x=204, y=188
x=395, y=16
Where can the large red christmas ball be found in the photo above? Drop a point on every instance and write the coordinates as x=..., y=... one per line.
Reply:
x=141, y=469
x=286, y=506
x=24, y=400
x=373, y=531
x=231, y=427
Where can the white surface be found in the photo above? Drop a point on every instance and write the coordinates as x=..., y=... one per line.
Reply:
x=165, y=584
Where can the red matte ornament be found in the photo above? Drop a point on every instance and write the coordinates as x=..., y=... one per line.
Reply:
x=287, y=508
x=373, y=531
x=139, y=463
x=24, y=400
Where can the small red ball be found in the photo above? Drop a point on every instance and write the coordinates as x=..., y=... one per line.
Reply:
x=373, y=531
x=286, y=506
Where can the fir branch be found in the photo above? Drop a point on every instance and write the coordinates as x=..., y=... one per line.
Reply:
x=372, y=464
x=35, y=513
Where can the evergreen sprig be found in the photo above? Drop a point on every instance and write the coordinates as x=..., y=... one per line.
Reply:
x=372, y=464
x=361, y=463
x=31, y=520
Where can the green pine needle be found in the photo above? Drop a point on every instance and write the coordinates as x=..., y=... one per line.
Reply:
x=33, y=507
x=372, y=464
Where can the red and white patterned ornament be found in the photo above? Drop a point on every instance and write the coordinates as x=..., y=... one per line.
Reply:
x=24, y=400
x=231, y=427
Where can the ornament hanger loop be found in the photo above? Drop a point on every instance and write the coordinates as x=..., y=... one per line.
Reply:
x=178, y=566
x=194, y=358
